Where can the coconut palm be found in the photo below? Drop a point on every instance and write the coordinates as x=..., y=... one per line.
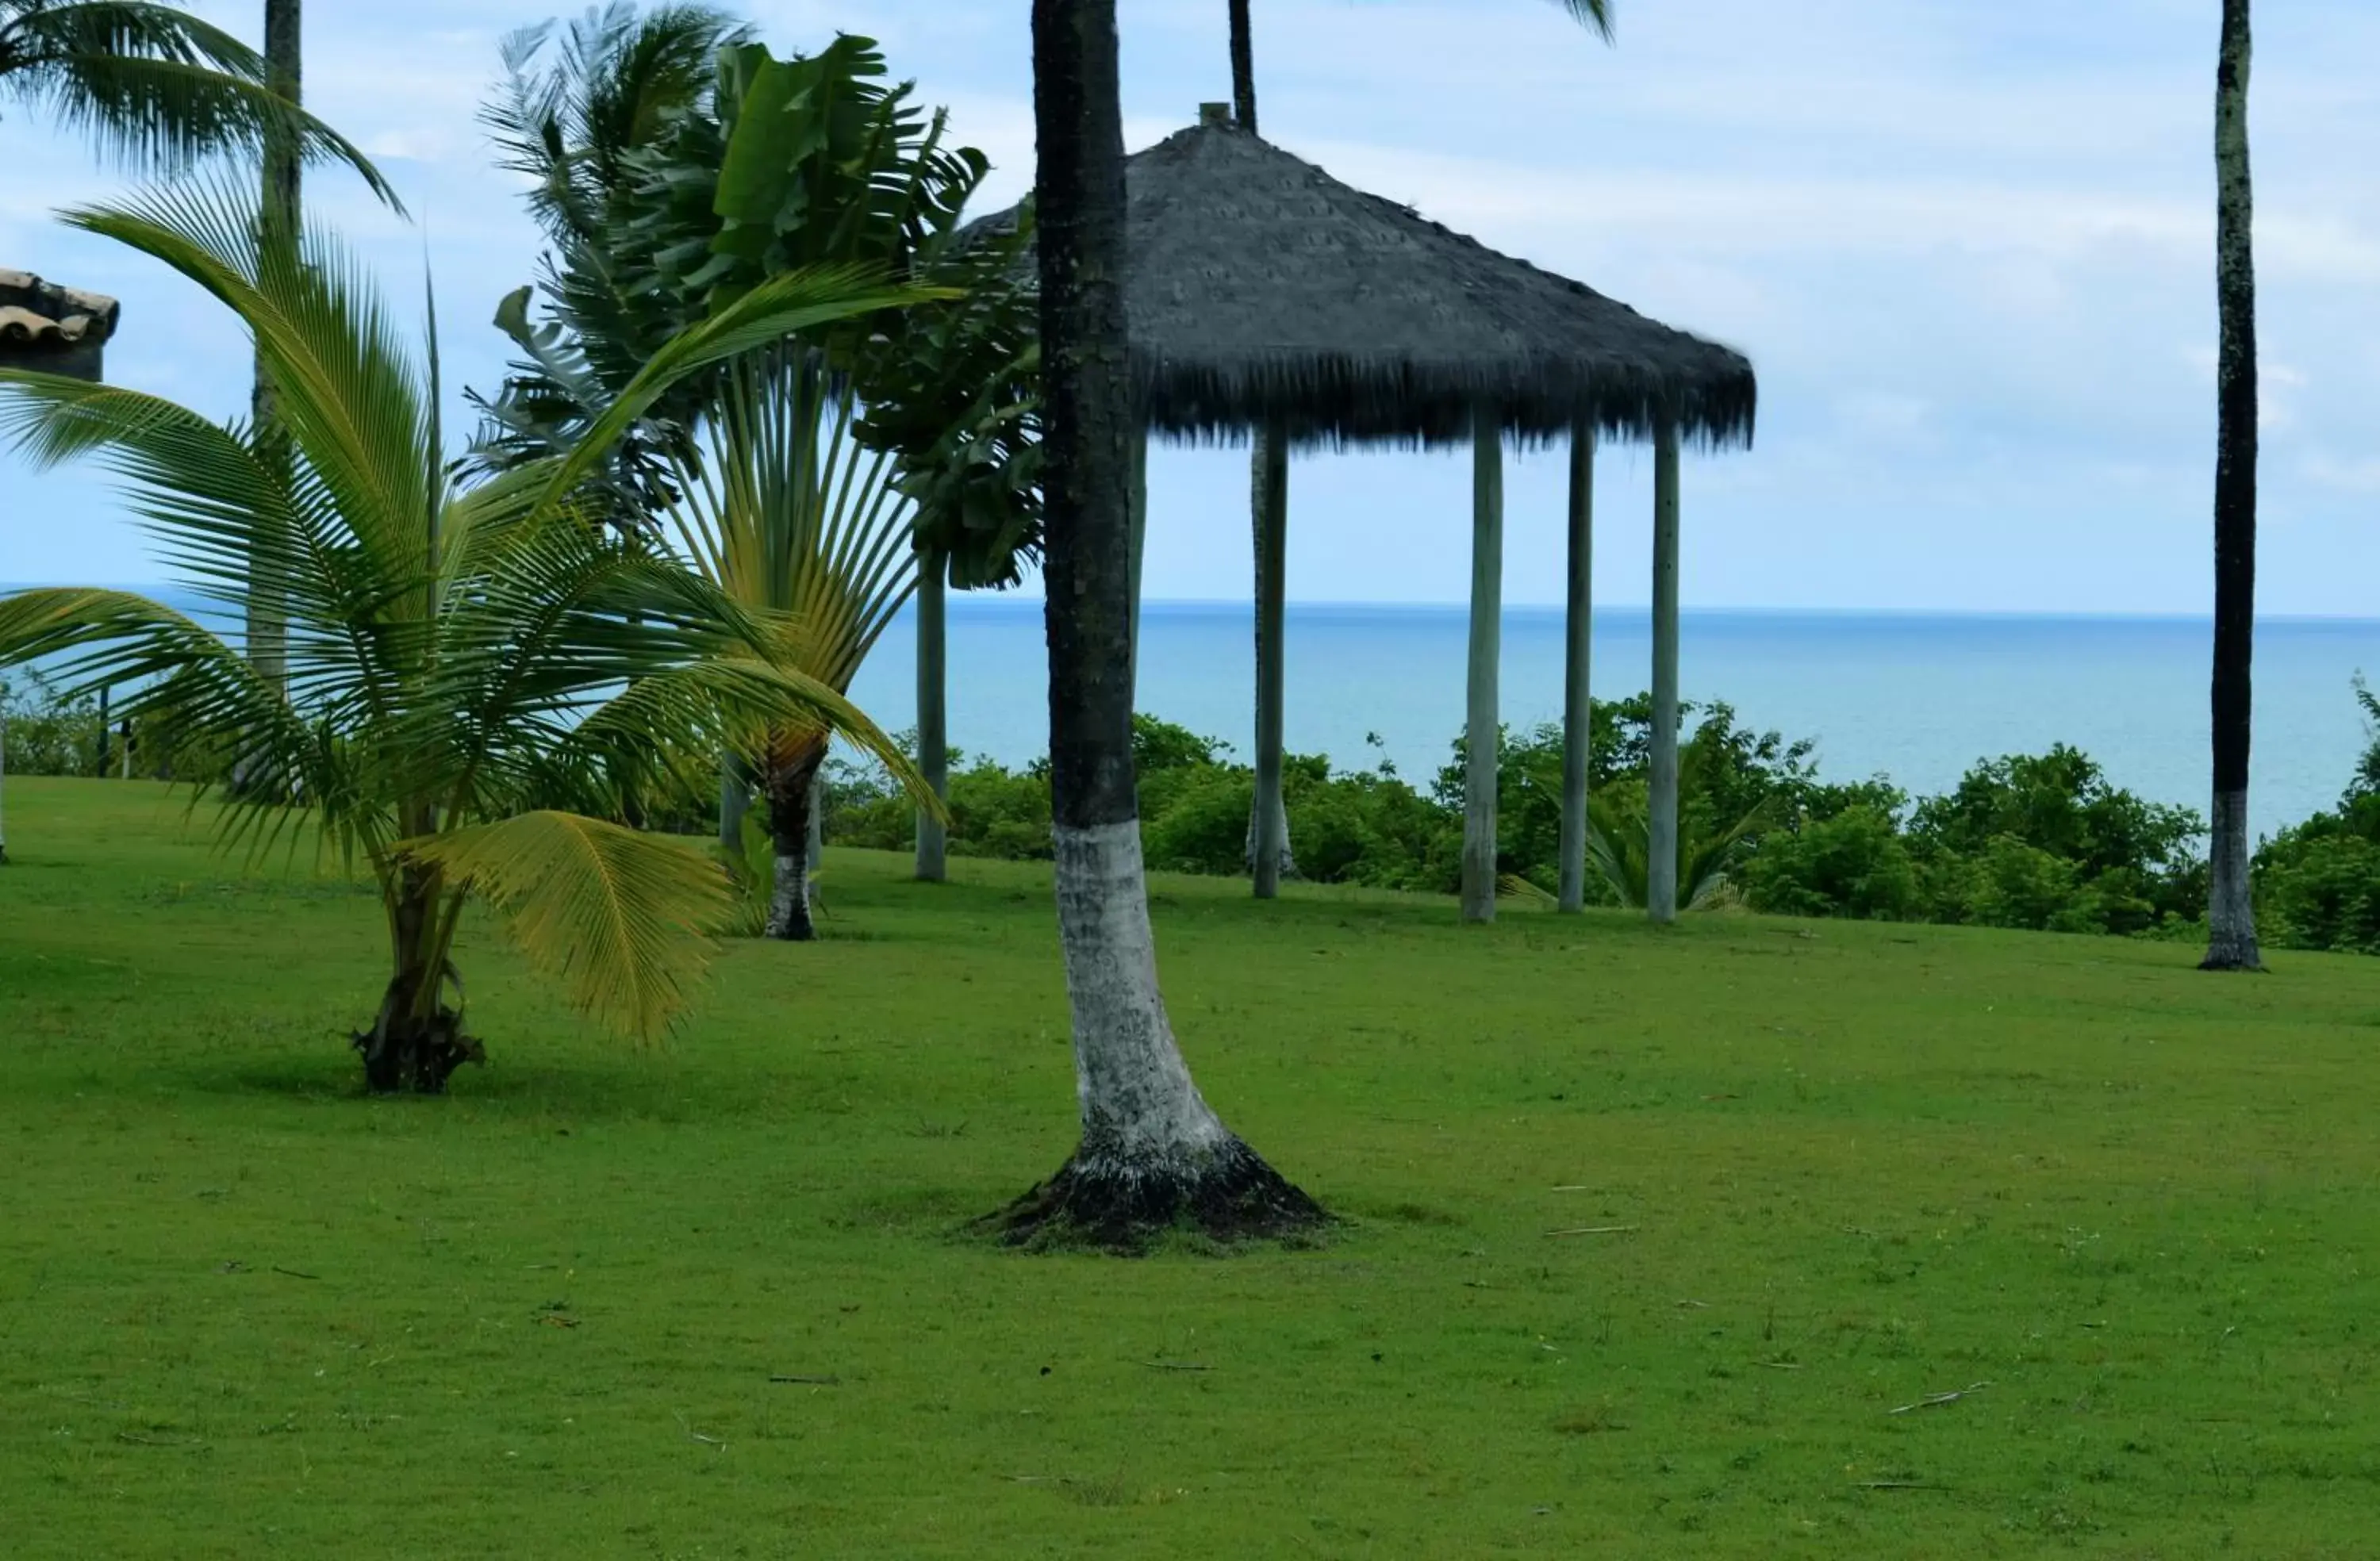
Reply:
x=152, y=86
x=476, y=671
x=2231, y=916
x=1152, y=1151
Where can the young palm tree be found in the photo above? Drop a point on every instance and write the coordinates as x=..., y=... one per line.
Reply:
x=1152, y=1151
x=797, y=482
x=803, y=528
x=472, y=668
x=2231, y=914
x=152, y=85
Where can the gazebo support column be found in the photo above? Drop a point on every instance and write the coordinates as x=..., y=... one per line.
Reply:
x=933, y=730
x=1578, y=705
x=1480, y=733
x=1270, y=828
x=1661, y=851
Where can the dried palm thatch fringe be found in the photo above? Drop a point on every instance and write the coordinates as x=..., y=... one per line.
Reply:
x=1261, y=288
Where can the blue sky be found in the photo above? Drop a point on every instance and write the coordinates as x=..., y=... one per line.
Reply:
x=1969, y=247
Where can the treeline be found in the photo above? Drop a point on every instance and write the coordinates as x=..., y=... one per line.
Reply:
x=2039, y=841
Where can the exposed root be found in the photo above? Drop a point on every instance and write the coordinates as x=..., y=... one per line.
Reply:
x=1105, y=1200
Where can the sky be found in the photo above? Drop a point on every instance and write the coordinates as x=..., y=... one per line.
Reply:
x=1969, y=248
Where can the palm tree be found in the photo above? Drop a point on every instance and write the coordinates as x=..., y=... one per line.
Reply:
x=2231, y=915
x=476, y=671
x=798, y=483
x=152, y=86
x=1269, y=856
x=800, y=526
x=1152, y=1151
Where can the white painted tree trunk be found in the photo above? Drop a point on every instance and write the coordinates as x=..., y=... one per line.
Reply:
x=1578, y=704
x=933, y=730
x=1142, y=1115
x=1661, y=848
x=1480, y=733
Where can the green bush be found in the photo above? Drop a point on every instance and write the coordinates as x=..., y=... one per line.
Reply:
x=1854, y=864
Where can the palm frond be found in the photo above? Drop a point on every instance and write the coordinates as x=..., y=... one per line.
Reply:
x=781, y=306
x=1596, y=14
x=617, y=917
x=158, y=88
x=350, y=395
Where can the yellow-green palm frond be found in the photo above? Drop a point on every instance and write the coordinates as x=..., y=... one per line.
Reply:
x=351, y=392
x=616, y=917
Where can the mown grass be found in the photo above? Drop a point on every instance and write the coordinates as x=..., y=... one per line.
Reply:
x=245, y=1312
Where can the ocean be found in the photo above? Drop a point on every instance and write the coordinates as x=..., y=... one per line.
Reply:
x=1915, y=696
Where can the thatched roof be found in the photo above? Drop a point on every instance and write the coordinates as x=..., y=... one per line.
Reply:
x=1260, y=288
x=56, y=329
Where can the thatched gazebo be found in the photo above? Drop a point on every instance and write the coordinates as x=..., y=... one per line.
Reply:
x=1266, y=296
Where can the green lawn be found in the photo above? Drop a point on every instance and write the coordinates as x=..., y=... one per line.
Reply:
x=245, y=1312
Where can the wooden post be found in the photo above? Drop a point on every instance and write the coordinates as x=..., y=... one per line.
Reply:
x=1272, y=829
x=933, y=732
x=1662, y=849
x=1578, y=703
x=1486, y=633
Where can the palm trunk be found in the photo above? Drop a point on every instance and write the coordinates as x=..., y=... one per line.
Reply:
x=415, y=1041
x=1269, y=818
x=1578, y=702
x=933, y=732
x=1244, y=68
x=1152, y=1153
x=268, y=609
x=1661, y=777
x=735, y=801
x=2231, y=916
x=1481, y=734
x=793, y=795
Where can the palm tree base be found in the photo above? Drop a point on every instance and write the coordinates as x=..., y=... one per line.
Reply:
x=2239, y=954
x=405, y=1054
x=1119, y=1202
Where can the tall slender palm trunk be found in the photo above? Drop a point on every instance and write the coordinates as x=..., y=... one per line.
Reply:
x=1153, y=1153
x=1271, y=856
x=2232, y=917
x=268, y=612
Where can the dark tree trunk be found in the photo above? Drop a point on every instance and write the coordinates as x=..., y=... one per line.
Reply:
x=1244, y=68
x=415, y=1041
x=933, y=730
x=791, y=797
x=2232, y=919
x=268, y=609
x=1153, y=1153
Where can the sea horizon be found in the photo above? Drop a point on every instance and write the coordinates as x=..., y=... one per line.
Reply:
x=1914, y=694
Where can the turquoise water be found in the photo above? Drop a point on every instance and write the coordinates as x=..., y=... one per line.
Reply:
x=1915, y=696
